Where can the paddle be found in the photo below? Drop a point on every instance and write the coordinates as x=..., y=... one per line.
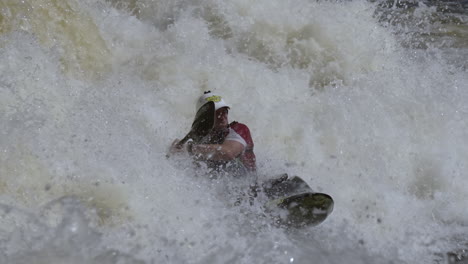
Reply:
x=202, y=125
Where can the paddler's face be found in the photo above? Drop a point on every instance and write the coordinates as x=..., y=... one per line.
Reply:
x=221, y=118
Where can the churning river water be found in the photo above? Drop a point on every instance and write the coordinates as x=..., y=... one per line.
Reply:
x=365, y=100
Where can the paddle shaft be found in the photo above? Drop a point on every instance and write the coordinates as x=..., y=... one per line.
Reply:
x=187, y=137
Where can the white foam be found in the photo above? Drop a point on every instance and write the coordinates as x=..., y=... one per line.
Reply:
x=328, y=94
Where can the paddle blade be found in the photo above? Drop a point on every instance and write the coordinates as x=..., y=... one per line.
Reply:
x=204, y=121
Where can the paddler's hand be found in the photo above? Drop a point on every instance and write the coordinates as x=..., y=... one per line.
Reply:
x=178, y=148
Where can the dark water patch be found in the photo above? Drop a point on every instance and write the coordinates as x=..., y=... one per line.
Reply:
x=429, y=25
x=457, y=257
x=444, y=6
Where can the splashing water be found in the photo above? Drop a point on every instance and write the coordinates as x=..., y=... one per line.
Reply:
x=364, y=100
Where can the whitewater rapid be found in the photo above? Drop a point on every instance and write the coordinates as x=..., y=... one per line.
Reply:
x=364, y=101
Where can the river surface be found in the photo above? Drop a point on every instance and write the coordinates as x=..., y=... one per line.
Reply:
x=365, y=100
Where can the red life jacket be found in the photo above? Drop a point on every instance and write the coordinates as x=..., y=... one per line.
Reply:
x=248, y=156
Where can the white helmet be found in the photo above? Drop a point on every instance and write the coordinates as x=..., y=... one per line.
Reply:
x=210, y=97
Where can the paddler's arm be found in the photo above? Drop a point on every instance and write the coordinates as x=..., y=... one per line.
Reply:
x=229, y=150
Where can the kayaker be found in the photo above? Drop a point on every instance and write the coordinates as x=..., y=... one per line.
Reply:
x=228, y=147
